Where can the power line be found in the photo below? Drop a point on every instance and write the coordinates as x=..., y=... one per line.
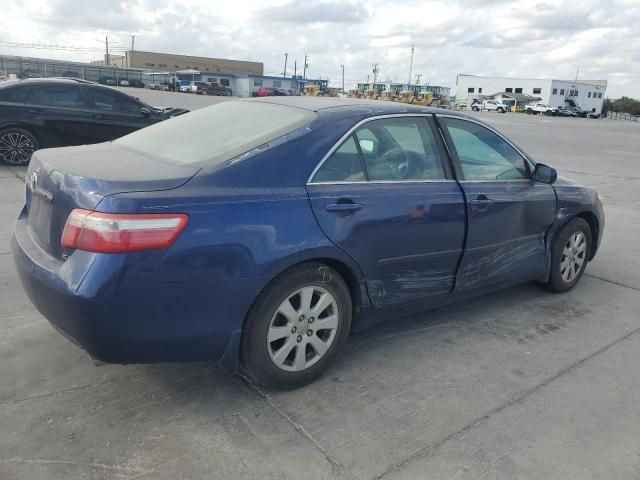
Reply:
x=45, y=46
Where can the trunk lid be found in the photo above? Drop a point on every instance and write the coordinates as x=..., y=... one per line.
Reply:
x=61, y=179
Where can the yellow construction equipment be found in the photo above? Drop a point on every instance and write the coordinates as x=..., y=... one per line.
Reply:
x=313, y=91
x=389, y=96
x=373, y=95
x=407, y=97
x=424, y=98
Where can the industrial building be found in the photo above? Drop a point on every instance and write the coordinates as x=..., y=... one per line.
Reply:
x=170, y=62
x=241, y=84
x=586, y=94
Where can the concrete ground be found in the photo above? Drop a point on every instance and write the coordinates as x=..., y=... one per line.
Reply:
x=520, y=384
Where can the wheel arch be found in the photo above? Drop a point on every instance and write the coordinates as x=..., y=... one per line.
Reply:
x=594, y=227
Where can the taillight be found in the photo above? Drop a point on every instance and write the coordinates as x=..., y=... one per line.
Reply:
x=119, y=233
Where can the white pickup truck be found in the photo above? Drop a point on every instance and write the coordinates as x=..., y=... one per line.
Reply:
x=541, y=108
x=490, y=105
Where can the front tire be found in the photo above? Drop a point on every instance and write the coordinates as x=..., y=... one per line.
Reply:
x=17, y=146
x=569, y=255
x=296, y=327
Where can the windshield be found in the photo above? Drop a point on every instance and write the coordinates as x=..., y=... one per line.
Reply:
x=217, y=133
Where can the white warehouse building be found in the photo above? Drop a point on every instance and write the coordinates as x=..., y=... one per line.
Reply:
x=586, y=94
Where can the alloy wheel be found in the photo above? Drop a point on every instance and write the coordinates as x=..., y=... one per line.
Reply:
x=573, y=256
x=303, y=328
x=16, y=148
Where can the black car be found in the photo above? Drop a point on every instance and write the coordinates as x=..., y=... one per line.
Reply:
x=44, y=113
x=136, y=83
x=566, y=112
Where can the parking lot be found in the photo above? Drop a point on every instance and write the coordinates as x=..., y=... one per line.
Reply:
x=519, y=384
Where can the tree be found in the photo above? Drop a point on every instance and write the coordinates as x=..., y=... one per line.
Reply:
x=622, y=105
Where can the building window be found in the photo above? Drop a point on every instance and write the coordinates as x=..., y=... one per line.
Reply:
x=470, y=90
x=206, y=69
x=509, y=90
x=277, y=83
x=176, y=66
x=518, y=90
x=562, y=91
x=600, y=95
x=537, y=90
x=554, y=91
x=257, y=83
x=150, y=64
x=480, y=90
x=162, y=65
x=224, y=82
x=589, y=95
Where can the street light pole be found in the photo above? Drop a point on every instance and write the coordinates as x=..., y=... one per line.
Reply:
x=342, y=78
x=133, y=38
x=284, y=74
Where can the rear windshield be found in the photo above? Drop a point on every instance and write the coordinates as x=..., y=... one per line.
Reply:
x=217, y=133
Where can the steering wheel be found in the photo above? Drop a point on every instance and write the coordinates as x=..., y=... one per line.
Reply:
x=403, y=164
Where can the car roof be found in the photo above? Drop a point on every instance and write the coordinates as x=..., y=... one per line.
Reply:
x=39, y=81
x=332, y=104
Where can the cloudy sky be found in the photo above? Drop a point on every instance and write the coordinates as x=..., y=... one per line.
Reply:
x=525, y=38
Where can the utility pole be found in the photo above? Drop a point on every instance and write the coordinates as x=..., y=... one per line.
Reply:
x=375, y=73
x=106, y=46
x=133, y=38
x=342, y=78
x=577, y=71
x=306, y=65
x=418, y=77
x=284, y=74
x=411, y=64
x=295, y=68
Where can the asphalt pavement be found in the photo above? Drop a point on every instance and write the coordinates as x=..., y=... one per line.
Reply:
x=519, y=384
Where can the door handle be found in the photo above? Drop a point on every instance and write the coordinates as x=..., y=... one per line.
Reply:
x=481, y=203
x=343, y=207
x=35, y=110
x=102, y=116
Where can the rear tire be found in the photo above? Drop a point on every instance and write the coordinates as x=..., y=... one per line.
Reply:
x=17, y=146
x=296, y=327
x=569, y=255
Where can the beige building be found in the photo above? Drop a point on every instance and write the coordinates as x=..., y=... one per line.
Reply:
x=170, y=63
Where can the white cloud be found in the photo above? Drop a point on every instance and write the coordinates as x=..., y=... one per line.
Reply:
x=525, y=38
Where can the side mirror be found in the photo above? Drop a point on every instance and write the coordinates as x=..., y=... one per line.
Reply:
x=145, y=112
x=544, y=173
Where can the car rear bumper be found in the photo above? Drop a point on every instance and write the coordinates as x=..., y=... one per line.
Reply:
x=120, y=316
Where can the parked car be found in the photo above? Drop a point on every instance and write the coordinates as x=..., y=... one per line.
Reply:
x=47, y=113
x=494, y=106
x=107, y=81
x=158, y=86
x=124, y=83
x=540, y=108
x=264, y=241
x=136, y=83
x=204, y=88
x=565, y=112
x=264, y=92
x=279, y=92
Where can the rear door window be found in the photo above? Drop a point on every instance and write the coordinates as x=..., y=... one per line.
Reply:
x=16, y=94
x=107, y=101
x=68, y=96
x=344, y=165
x=400, y=149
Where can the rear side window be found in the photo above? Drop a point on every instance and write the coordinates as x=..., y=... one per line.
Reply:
x=57, y=96
x=16, y=94
x=219, y=132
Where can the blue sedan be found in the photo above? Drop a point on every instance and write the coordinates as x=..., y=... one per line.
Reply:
x=259, y=233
